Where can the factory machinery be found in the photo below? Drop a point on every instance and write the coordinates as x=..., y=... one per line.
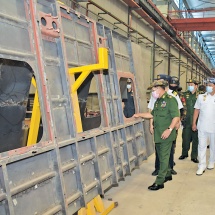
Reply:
x=64, y=140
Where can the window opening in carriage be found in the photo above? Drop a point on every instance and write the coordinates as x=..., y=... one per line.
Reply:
x=89, y=103
x=127, y=95
x=17, y=103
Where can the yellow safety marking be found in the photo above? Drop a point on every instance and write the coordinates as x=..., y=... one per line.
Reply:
x=35, y=118
x=82, y=211
x=99, y=204
x=96, y=206
x=108, y=209
x=85, y=71
x=90, y=208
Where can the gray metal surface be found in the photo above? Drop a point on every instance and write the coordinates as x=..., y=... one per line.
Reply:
x=66, y=169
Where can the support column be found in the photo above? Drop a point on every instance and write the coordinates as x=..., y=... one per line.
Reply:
x=169, y=50
x=153, y=57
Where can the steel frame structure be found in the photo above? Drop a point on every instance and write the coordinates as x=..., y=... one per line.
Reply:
x=67, y=169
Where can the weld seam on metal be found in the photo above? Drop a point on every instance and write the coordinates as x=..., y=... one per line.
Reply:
x=87, y=158
x=31, y=183
x=91, y=185
x=16, y=53
x=103, y=151
x=73, y=197
x=69, y=166
x=132, y=158
x=107, y=175
x=53, y=210
x=2, y=196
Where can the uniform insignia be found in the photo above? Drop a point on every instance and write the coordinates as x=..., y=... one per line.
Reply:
x=204, y=97
x=182, y=99
x=163, y=104
x=174, y=93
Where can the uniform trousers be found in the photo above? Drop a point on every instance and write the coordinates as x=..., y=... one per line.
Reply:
x=163, y=150
x=202, y=148
x=171, y=157
x=188, y=135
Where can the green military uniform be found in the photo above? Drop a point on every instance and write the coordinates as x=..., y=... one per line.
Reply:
x=188, y=100
x=165, y=109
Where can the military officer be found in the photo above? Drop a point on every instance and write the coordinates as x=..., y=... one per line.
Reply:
x=173, y=82
x=165, y=118
x=205, y=112
x=188, y=99
x=129, y=108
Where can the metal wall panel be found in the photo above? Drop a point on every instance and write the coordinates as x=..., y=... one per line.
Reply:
x=66, y=169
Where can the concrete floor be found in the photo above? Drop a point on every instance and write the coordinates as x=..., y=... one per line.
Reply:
x=186, y=194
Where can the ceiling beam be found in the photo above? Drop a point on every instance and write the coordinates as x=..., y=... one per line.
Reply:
x=194, y=24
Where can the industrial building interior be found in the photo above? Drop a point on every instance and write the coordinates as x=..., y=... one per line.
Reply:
x=66, y=144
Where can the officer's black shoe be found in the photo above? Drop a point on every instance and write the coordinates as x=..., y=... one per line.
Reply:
x=173, y=172
x=168, y=178
x=182, y=157
x=155, y=172
x=156, y=186
x=195, y=160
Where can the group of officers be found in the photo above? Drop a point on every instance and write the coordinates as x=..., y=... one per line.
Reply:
x=194, y=109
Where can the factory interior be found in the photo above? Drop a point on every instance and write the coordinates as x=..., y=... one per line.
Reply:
x=75, y=77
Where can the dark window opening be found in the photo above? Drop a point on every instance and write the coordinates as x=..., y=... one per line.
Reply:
x=15, y=104
x=89, y=103
x=127, y=95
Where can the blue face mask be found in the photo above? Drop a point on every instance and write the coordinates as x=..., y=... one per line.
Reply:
x=191, y=88
x=209, y=89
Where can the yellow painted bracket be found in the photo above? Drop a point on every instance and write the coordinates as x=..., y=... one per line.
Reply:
x=85, y=71
x=35, y=118
x=98, y=207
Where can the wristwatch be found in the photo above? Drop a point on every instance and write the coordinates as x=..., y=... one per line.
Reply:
x=170, y=129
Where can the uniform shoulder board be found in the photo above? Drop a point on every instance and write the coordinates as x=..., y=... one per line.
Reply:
x=170, y=96
x=174, y=93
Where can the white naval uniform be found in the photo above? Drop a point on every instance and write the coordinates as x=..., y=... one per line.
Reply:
x=205, y=103
x=153, y=100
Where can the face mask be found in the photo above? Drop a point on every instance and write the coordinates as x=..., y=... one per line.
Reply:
x=209, y=89
x=128, y=86
x=190, y=88
x=155, y=94
x=173, y=88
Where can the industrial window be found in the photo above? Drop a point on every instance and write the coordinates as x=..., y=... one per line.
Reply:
x=89, y=103
x=127, y=95
x=16, y=104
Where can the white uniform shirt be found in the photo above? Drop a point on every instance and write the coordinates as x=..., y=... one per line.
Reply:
x=153, y=100
x=206, y=104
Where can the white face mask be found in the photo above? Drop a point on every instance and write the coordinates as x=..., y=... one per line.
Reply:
x=191, y=88
x=209, y=89
x=128, y=86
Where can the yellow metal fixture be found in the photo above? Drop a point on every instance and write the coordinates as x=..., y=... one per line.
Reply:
x=85, y=71
x=35, y=118
x=97, y=207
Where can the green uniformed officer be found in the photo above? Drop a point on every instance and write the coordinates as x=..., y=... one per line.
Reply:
x=188, y=99
x=165, y=116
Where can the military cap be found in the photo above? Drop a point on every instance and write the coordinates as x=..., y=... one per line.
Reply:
x=164, y=77
x=159, y=83
x=150, y=87
x=174, y=80
x=193, y=80
x=211, y=80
